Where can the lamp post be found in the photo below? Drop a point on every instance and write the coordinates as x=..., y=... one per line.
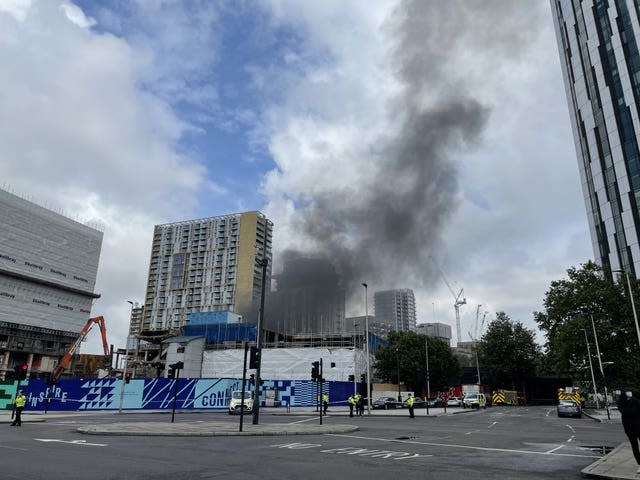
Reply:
x=366, y=334
x=126, y=362
x=593, y=378
x=398, y=369
x=426, y=356
x=264, y=263
x=604, y=381
x=633, y=305
x=355, y=347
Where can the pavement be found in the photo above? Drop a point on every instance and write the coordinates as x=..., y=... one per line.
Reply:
x=619, y=463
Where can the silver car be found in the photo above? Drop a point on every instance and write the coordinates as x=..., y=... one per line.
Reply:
x=569, y=408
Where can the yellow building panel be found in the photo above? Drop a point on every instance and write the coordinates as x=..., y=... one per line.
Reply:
x=246, y=263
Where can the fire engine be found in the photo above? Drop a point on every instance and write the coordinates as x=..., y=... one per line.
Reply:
x=507, y=397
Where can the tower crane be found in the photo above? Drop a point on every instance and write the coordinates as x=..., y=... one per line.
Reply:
x=457, y=300
x=474, y=337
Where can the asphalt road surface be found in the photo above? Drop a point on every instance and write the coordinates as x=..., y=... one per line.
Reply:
x=499, y=442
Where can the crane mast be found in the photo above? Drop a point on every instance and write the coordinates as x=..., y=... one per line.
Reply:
x=457, y=302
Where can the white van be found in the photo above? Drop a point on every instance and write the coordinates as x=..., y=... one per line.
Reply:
x=236, y=401
x=475, y=400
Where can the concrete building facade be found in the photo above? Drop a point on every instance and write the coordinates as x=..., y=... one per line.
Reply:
x=441, y=331
x=48, y=268
x=599, y=42
x=396, y=309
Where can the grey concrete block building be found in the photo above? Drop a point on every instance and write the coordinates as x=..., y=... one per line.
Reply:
x=48, y=268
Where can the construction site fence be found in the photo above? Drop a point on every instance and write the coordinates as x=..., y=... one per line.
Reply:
x=158, y=393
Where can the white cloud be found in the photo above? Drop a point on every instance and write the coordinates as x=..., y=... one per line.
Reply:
x=77, y=16
x=79, y=133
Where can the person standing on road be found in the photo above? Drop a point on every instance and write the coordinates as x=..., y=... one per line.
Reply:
x=410, y=401
x=325, y=402
x=351, y=401
x=19, y=402
x=629, y=408
x=359, y=408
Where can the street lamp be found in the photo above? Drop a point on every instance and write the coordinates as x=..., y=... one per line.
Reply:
x=593, y=378
x=398, y=368
x=606, y=394
x=355, y=347
x=633, y=305
x=366, y=334
x=126, y=361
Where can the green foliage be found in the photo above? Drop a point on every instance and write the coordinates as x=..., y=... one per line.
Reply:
x=573, y=307
x=444, y=369
x=508, y=352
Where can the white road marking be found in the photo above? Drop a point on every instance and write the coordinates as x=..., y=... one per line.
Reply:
x=14, y=448
x=468, y=447
x=74, y=442
x=554, y=449
x=305, y=420
x=492, y=424
x=361, y=452
x=570, y=428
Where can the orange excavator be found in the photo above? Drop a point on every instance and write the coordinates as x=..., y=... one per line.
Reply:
x=66, y=360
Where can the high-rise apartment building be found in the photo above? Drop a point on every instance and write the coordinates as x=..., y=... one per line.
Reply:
x=206, y=265
x=48, y=268
x=599, y=43
x=396, y=308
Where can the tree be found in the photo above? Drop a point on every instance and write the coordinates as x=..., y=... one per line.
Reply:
x=409, y=349
x=508, y=352
x=573, y=306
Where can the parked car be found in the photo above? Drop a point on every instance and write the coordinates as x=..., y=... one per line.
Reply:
x=454, y=402
x=417, y=403
x=436, y=402
x=475, y=400
x=569, y=408
x=385, y=403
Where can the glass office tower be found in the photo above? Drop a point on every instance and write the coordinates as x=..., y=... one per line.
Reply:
x=598, y=43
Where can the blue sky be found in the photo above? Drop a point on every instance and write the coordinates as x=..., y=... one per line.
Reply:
x=449, y=116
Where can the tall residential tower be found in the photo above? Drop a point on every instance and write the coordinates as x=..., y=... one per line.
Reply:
x=396, y=309
x=598, y=42
x=205, y=265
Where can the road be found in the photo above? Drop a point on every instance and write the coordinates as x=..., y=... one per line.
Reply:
x=499, y=442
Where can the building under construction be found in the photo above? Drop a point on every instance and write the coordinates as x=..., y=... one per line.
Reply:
x=206, y=265
x=48, y=268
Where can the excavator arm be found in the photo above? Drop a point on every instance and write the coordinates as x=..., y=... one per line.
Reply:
x=66, y=359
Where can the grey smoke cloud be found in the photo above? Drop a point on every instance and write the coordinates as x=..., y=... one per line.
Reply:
x=384, y=230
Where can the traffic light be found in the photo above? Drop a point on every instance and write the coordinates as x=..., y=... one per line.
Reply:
x=173, y=367
x=363, y=378
x=252, y=379
x=315, y=371
x=254, y=357
x=24, y=368
x=352, y=378
x=127, y=377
